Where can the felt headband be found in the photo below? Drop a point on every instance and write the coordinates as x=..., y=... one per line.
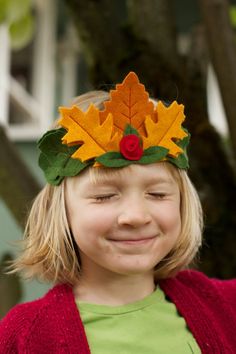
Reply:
x=130, y=130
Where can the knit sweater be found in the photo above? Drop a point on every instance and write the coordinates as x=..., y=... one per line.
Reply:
x=52, y=324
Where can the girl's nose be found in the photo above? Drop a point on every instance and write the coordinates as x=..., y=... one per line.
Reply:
x=134, y=214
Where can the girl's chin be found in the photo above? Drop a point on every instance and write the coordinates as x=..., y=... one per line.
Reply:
x=133, y=269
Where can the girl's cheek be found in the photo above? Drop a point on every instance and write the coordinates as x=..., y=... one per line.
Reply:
x=169, y=218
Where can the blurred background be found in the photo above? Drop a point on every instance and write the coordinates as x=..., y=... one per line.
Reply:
x=51, y=51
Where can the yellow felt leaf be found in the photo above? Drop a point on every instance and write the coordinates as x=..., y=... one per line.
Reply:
x=86, y=129
x=167, y=128
x=129, y=104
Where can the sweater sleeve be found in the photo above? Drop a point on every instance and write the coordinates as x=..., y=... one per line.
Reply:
x=12, y=329
x=9, y=327
x=227, y=288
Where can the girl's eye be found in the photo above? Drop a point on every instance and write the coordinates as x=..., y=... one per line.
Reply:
x=103, y=198
x=158, y=195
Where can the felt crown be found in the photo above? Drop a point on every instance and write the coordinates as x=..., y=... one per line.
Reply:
x=129, y=130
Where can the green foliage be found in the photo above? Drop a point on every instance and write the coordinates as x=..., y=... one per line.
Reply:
x=232, y=14
x=21, y=31
x=17, y=16
x=14, y=10
x=3, y=10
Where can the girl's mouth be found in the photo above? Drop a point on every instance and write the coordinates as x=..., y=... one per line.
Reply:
x=137, y=241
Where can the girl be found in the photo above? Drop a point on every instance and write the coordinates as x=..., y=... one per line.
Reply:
x=115, y=229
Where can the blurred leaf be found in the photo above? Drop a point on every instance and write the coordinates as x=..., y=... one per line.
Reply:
x=16, y=9
x=232, y=14
x=3, y=10
x=21, y=32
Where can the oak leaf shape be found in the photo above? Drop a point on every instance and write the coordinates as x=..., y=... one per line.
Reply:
x=129, y=104
x=167, y=128
x=85, y=128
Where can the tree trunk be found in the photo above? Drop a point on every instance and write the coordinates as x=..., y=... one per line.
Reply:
x=17, y=185
x=116, y=40
x=221, y=42
x=10, y=287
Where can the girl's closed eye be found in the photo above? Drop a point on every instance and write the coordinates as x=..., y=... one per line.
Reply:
x=103, y=197
x=158, y=195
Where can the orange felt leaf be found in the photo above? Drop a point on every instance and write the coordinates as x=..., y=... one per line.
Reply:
x=86, y=129
x=129, y=104
x=168, y=127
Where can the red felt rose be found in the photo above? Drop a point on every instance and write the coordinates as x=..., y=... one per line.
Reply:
x=130, y=147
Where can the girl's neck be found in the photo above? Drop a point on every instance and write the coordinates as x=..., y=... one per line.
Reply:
x=114, y=289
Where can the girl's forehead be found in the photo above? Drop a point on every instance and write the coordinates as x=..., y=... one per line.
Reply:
x=152, y=173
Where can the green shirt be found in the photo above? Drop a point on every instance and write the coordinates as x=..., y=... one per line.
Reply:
x=149, y=326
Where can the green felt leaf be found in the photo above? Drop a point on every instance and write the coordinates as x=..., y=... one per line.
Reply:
x=153, y=154
x=113, y=159
x=184, y=142
x=182, y=160
x=130, y=130
x=150, y=155
x=51, y=141
x=55, y=158
x=116, y=159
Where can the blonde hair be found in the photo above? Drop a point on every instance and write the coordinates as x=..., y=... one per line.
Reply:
x=49, y=250
x=190, y=238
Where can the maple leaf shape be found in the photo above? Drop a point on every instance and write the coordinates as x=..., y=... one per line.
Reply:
x=167, y=128
x=129, y=104
x=86, y=129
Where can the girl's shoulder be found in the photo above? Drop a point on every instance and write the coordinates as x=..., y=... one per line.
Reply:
x=20, y=321
x=15, y=325
x=203, y=284
x=199, y=276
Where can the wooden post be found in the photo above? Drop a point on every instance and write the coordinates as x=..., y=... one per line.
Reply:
x=44, y=62
x=4, y=74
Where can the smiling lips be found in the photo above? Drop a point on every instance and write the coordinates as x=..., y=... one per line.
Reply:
x=136, y=241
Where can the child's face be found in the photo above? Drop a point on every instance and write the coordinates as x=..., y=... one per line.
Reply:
x=127, y=222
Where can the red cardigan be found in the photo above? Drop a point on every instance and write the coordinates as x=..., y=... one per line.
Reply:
x=52, y=324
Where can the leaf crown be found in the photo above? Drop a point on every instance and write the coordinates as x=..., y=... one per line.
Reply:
x=129, y=130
